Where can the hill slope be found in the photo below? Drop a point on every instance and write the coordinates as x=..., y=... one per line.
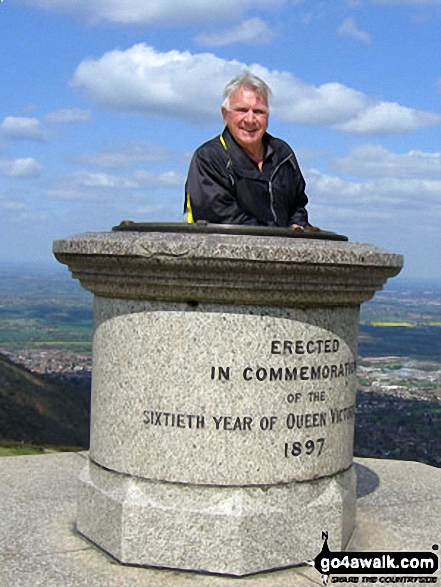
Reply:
x=37, y=410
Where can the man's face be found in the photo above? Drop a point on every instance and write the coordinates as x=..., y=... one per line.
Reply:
x=247, y=118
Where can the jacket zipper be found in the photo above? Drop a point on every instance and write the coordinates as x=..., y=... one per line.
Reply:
x=270, y=185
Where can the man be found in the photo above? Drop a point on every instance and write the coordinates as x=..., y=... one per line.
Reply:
x=246, y=176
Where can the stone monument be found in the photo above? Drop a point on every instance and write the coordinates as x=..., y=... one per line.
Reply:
x=223, y=392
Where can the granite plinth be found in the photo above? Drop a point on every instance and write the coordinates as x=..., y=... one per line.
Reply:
x=231, y=530
x=223, y=395
x=398, y=509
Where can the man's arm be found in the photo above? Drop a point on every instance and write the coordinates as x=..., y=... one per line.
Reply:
x=210, y=188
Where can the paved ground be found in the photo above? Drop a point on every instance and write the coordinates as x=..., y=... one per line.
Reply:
x=399, y=508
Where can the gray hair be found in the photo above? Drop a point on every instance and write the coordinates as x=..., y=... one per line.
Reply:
x=246, y=80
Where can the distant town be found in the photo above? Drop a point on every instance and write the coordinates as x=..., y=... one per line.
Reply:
x=51, y=362
x=394, y=376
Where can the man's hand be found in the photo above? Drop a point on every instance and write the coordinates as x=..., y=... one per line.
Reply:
x=308, y=228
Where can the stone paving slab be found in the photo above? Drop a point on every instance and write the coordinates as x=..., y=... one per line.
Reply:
x=399, y=508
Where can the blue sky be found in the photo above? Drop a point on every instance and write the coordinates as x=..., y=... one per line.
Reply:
x=104, y=101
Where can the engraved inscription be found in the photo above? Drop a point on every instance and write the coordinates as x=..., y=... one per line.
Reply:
x=301, y=347
x=296, y=449
x=166, y=419
x=233, y=422
x=299, y=419
x=245, y=398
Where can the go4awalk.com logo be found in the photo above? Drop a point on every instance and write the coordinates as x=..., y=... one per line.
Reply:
x=406, y=567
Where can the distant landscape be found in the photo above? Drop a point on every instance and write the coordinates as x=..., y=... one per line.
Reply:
x=42, y=307
x=45, y=366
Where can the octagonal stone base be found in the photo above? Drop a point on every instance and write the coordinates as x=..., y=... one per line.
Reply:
x=227, y=530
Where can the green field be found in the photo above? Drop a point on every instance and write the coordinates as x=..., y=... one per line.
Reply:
x=404, y=320
x=44, y=309
x=9, y=448
x=418, y=342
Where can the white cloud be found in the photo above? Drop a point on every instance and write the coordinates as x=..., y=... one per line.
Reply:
x=189, y=86
x=389, y=117
x=167, y=180
x=69, y=115
x=129, y=12
x=7, y=204
x=23, y=128
x=89, y=186
x=254, y=31
x=138, y=181
x=144, y=80
x=105, y=180
x=376, y=161
x=16, y=128
x=125, y=155
x=26, y=168
x=391, y=201
x=301, y=103
x=349, y=29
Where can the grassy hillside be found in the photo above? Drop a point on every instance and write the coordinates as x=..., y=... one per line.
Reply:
x=36, y=410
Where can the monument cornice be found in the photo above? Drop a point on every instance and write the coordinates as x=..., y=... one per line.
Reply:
x=221, y=268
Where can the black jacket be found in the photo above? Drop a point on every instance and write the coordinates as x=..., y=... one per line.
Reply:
x=225, y=186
